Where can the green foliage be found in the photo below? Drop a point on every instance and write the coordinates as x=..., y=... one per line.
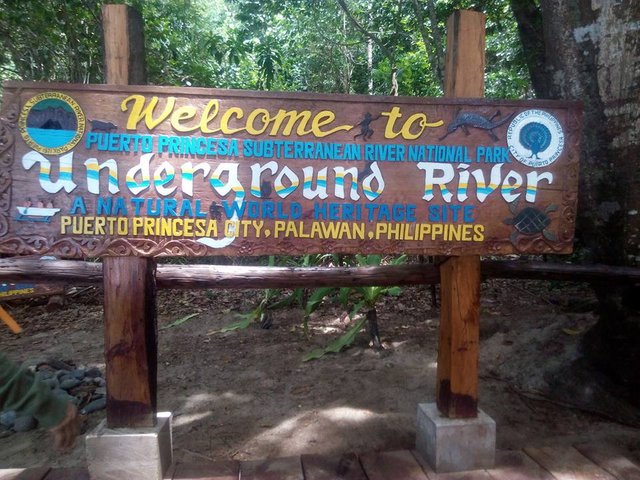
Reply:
x=296, y=45
x=360, y=297
x=339, y=343
x=179, y=321
x=51, y=41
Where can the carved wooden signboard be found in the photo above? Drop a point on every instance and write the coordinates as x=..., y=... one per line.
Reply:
x=91, y=170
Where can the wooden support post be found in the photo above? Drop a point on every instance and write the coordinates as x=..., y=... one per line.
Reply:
x=130, y=341
x=123, y=34
x=457, y=385
x=129, y=282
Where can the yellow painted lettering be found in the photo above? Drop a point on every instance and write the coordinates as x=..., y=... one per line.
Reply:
x=212, y=228
x=226, y=117
x=88, y=225
x=148, y=226
x=393, y=115
x=406, y=128
x=251, y=129
x=188, y=227
x=324, y=118
x=140, y=110
x=278, y=228
x=181, y=115
x=100, y=223
x=199, y=226
x=65, y=221
x=292, y=117
x=136, y=224
x=210, y=112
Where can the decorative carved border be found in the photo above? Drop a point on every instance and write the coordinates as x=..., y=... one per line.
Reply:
x=8, y=120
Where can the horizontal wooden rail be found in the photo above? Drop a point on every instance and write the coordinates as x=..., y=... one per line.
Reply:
x=211, y=276
x=224, y=276
x=559, y=271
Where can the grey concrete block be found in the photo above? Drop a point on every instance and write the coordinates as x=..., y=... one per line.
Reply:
x=455, y=445
x=121, y=453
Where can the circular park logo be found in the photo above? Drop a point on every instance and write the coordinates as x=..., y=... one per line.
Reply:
x=535, y=138
x=52, y=123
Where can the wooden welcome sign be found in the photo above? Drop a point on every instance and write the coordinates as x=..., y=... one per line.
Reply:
x=91, y=170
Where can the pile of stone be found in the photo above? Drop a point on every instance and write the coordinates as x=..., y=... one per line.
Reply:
x=84, y=387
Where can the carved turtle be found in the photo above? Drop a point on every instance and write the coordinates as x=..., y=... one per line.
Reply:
x=530, y=221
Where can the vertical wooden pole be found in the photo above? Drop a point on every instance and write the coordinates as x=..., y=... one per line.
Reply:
x=123, y=35
x=129, y=282
x=130, y=341
x=457, y=386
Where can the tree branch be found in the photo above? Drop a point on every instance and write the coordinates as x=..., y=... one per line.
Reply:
x=385, y=51
x=432, y=53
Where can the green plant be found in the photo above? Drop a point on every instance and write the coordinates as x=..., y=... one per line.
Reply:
x=364, y=297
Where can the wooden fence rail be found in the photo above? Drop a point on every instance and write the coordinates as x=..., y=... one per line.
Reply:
x=245, y=277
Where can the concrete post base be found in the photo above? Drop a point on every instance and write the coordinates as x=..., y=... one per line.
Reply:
x=130, y=453
x=455, y=445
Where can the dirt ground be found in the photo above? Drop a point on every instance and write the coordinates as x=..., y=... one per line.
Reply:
x=247, y=394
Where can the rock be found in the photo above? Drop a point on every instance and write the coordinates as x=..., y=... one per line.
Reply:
x=93, y=373
x=4, y=432
x=58, y=364
x=100, y=382
x=69, y=383
x=94, y=406
x=7, y=418
x=100, y=391
x=44, y=374
x=25, y=423
x=79, y=373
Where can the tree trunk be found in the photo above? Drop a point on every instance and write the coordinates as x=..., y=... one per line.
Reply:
x=591, y=52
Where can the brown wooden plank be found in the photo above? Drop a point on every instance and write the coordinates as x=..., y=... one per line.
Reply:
x=469, y=475
x=566, y=463
x=224, y=470
x=130, y=341
x=457, y=383
x=332, y=467
x=73, y=473
x=610, y=458
x=398, y=465
x=516, y=465
x=35, y=473
x=288, y=468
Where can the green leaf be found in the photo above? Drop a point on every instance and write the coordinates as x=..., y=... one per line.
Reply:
x=246, y=319
x=394, y=291
x=343, y=295
x=338, y=344
x=356, y=309
x=399, y=260
x=316, y=299
x=179, y=321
